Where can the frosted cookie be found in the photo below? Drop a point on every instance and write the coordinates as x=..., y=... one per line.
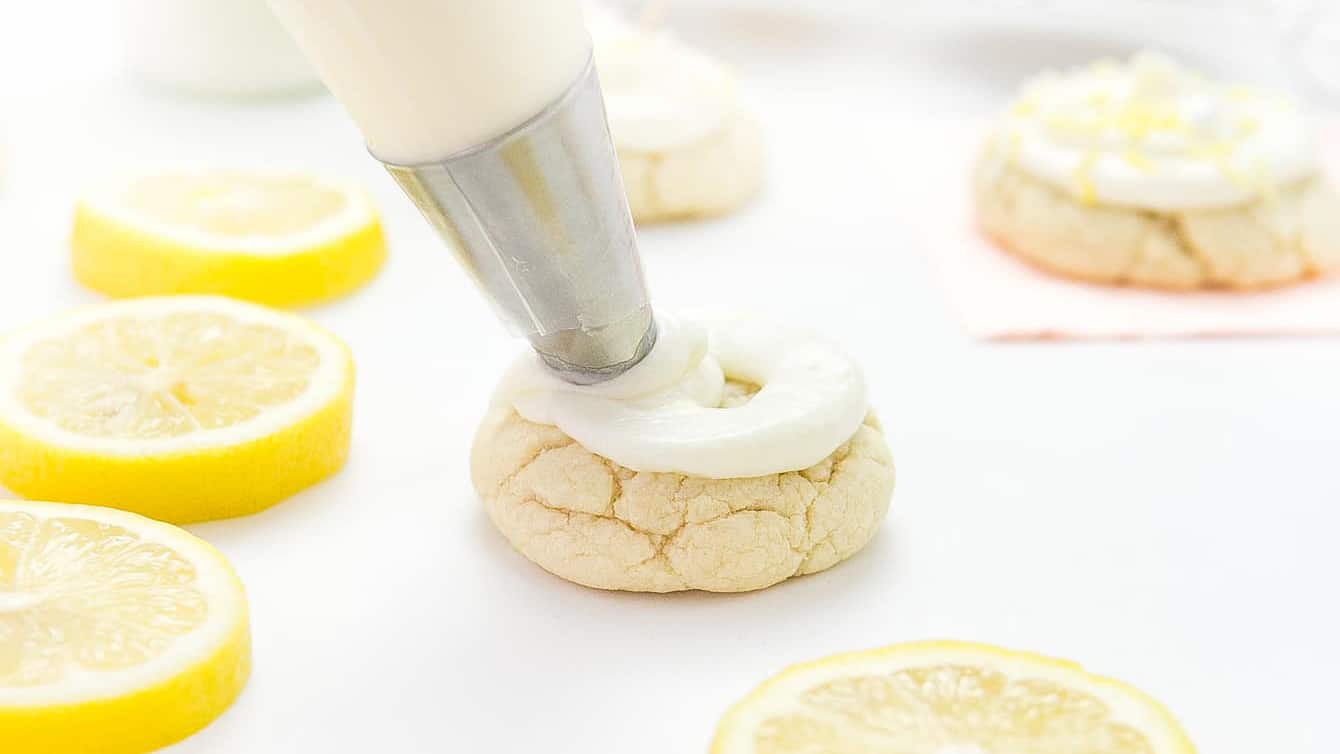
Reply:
x=1147, y=174
x=687, y=146
x=724, y=463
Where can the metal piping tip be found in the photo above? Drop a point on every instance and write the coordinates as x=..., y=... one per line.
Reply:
x=539, y=219
x=593, y=347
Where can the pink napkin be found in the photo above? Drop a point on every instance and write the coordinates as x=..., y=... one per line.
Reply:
x=1001, y=298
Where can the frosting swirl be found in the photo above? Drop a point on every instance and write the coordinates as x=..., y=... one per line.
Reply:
x=1153, y=135
x=663, y=414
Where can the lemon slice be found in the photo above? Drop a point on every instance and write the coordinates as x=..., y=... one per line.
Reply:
x=284, y=240
x=118, y=634
x=183, y=408
x=946, y=698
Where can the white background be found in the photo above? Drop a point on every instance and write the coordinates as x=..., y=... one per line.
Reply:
x=1164, y=512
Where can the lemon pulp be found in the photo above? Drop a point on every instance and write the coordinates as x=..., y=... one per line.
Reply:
x=949, y=709
x=123, y=603
x=165, y=377
x=118, y=634
x=947, y=698
x=182, y=408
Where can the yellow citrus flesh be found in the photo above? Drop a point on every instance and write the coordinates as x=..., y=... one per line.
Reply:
x=184, y=408
x=947, y=698
x=276, y=239
x=118, y=634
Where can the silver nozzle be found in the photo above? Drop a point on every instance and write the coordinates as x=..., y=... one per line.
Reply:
x=539, y=219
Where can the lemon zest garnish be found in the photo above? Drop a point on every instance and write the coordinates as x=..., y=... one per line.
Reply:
x=1083, y=175
x=1220, y=152
x=1138, y=160
x=1247, y=125
x=1075, y=125
x=1143, y=118
x=1209, y=150
x=1137, y=121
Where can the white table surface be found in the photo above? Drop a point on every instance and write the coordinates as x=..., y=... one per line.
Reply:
x=1164, y=512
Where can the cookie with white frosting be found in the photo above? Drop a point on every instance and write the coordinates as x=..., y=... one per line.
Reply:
x=1146, y=173
x=725, y=462
x=687, y=145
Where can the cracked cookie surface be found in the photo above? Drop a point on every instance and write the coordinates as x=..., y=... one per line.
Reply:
x=1276, y=240
x=589, y=520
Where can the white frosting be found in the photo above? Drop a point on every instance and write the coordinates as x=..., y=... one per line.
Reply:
x=663, y=415
x=1153, y=135
x=659, y=94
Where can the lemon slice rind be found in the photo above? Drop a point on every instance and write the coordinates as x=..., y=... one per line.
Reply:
x=123, y=251
x=204, y=474
x=218, y=582
x=326, y=382
x=163, y=700
x=359, y=212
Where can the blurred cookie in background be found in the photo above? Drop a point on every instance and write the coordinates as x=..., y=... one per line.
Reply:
x=1149, y=174
x=687, y=145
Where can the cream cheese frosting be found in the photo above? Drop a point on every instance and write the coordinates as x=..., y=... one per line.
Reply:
x=659, y=93
x=1151, y=134
x=663, y=414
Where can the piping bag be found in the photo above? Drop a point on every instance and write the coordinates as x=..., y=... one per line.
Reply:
x=490, y=117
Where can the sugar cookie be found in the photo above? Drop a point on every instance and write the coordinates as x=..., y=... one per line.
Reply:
x=665, y=510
